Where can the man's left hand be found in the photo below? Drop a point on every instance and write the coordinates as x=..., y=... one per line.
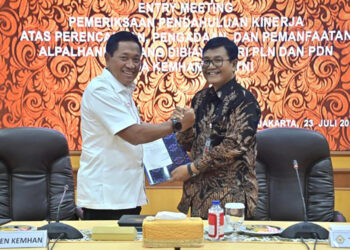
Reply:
x=180, y=174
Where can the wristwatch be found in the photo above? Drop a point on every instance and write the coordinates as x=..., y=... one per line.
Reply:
x=189, y=169
x=177, y=126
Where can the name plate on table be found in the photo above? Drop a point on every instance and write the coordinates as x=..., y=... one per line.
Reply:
x=339, y=235
x=23, y=239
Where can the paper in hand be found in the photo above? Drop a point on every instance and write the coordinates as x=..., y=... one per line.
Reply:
x=156, y=160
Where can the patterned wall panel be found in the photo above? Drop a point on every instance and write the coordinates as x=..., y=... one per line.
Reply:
x=41, y=85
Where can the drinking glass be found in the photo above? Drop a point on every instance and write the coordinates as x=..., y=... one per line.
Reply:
x=234, y=215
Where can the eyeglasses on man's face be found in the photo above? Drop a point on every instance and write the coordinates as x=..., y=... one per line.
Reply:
x=217, y=62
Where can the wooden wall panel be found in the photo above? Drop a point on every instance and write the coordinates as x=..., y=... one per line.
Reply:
x=167, y=195
x=342, y=178
x=341, y=173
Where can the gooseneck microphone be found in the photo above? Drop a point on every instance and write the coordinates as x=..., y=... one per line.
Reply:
x=304, y=229
x=59, y=204
x=296, y=167
x=60, y=230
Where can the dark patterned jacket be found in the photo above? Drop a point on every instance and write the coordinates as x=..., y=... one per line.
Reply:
x=229, y=117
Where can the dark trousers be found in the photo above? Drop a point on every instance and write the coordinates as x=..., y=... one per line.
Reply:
x=104, y=214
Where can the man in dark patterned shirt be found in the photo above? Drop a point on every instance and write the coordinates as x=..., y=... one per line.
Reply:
x=222, y=140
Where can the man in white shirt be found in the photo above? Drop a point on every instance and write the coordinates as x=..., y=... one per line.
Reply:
x=111, y=175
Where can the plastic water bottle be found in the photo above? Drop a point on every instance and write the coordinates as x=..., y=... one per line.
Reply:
x=216, y=221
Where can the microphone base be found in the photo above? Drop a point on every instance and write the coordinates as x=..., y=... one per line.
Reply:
x=56, y=229
x=306, y=230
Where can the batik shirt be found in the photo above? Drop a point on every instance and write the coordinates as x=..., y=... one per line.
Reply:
x=227, y=119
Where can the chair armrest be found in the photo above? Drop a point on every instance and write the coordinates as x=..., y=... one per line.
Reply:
x=338, y=217
x=79, y=213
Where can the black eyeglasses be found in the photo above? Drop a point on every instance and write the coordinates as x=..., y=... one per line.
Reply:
x=217, y=62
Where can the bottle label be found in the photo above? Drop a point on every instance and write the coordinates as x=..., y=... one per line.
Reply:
x=216, y=225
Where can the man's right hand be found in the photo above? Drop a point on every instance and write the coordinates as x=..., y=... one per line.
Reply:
x=185, y=115
x=188, y=118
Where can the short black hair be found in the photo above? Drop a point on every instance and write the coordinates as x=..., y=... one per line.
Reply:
x=113, y=41
x=230, y=46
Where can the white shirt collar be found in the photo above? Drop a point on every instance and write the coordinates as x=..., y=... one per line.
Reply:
x=116, y=85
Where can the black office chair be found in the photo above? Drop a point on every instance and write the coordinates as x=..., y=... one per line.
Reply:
x=279, y=196
x=35, y=167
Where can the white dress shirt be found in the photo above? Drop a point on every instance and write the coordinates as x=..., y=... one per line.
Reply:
x=111, y=175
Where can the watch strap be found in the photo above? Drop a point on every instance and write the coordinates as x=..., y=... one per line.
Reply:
x=177, y=126
x=189, y=169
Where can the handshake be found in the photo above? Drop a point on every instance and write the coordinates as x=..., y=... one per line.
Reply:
x=185, y=115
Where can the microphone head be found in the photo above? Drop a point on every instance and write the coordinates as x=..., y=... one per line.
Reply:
x=295, y=164
x=66, y=187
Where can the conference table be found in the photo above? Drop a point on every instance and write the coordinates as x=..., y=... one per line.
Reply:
x=137, y=244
